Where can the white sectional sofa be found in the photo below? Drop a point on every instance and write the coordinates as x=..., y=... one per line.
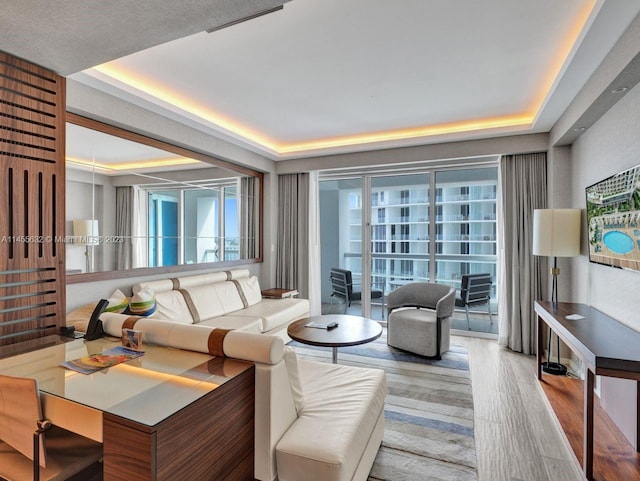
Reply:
x=313, y=421
x=226, y=300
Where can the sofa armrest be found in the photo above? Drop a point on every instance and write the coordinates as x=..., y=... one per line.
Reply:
x=253, y=347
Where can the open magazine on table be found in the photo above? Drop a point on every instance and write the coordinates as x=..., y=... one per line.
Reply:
x=102, y=360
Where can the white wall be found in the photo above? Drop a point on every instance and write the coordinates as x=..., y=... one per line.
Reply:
x=89, y=102
x=611, y=145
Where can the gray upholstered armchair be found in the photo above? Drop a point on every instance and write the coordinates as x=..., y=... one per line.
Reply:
x=418, y=318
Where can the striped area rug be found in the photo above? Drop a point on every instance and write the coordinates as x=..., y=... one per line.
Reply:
x=428, y=431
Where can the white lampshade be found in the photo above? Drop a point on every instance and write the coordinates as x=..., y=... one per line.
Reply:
x=556, y=232
x=86, y=232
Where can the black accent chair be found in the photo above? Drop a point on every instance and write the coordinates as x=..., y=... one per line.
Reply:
x=342, y=288
x=475, y=291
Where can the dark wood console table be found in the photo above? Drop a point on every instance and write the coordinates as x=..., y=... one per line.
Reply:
x=606, y=346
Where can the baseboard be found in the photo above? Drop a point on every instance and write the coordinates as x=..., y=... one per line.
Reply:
x=466, y=333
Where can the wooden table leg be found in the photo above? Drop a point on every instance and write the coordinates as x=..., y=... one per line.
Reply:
x=334, y=355
x=587, y=464
x=539, y=327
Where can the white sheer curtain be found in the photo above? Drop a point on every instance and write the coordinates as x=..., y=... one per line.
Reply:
x=522, y=188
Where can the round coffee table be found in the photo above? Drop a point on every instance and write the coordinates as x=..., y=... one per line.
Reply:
x=351, y=331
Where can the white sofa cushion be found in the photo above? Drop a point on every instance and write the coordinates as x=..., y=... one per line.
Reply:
x=171, y=306
x=250, y=288
x=327, y=440
x=276, y=312
x=291, y=361
x=213, y=300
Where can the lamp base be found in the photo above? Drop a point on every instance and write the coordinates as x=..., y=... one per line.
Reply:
x=554, y=368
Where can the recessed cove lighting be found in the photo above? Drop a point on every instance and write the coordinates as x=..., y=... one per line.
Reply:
x=619, y=90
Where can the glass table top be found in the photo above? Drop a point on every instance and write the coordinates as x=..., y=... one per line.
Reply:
x=145, y=390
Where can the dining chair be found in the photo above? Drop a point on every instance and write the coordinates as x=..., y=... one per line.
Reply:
x=342, y=287
x=31, y=448
x=475, y=290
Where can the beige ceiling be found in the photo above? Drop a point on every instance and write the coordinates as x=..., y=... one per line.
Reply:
x=342, y=75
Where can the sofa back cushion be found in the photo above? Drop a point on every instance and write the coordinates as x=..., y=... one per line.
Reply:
x=291, y=361
x=192, y=299
x=170, y=305
x=249, y=287
x=208, y=301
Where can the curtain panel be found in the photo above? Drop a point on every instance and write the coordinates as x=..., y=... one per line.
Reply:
x=124, y=224
x=522, y=188
x=292, y=258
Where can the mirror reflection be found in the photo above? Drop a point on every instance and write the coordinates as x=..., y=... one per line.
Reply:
x=131, y=205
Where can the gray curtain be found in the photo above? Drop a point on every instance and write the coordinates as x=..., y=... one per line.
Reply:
x=292, y=263
x=249, y=218
x=523, y=184
x=124, y=223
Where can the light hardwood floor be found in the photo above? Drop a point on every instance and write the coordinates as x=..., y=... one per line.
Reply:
x=517, y=439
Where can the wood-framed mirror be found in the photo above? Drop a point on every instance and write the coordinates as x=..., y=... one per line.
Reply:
x=138, y=203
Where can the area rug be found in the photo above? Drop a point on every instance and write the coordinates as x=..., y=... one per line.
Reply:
x=428, y=430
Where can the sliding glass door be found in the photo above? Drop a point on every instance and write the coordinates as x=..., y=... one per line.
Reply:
x=399, y=230
x=389, y=230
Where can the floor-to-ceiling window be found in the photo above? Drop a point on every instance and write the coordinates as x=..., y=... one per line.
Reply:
x=404, y=254
x=163, y=228
x=211, y=235
x=431, y=226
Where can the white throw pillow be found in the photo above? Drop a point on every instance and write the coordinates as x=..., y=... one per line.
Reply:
x=143, y=302
x=291, y=361
x=118, y=302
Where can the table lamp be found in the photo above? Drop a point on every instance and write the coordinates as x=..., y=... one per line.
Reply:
x=556, y=232
x=85, y=233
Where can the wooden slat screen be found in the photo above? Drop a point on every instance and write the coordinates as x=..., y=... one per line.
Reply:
x=32, y=143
